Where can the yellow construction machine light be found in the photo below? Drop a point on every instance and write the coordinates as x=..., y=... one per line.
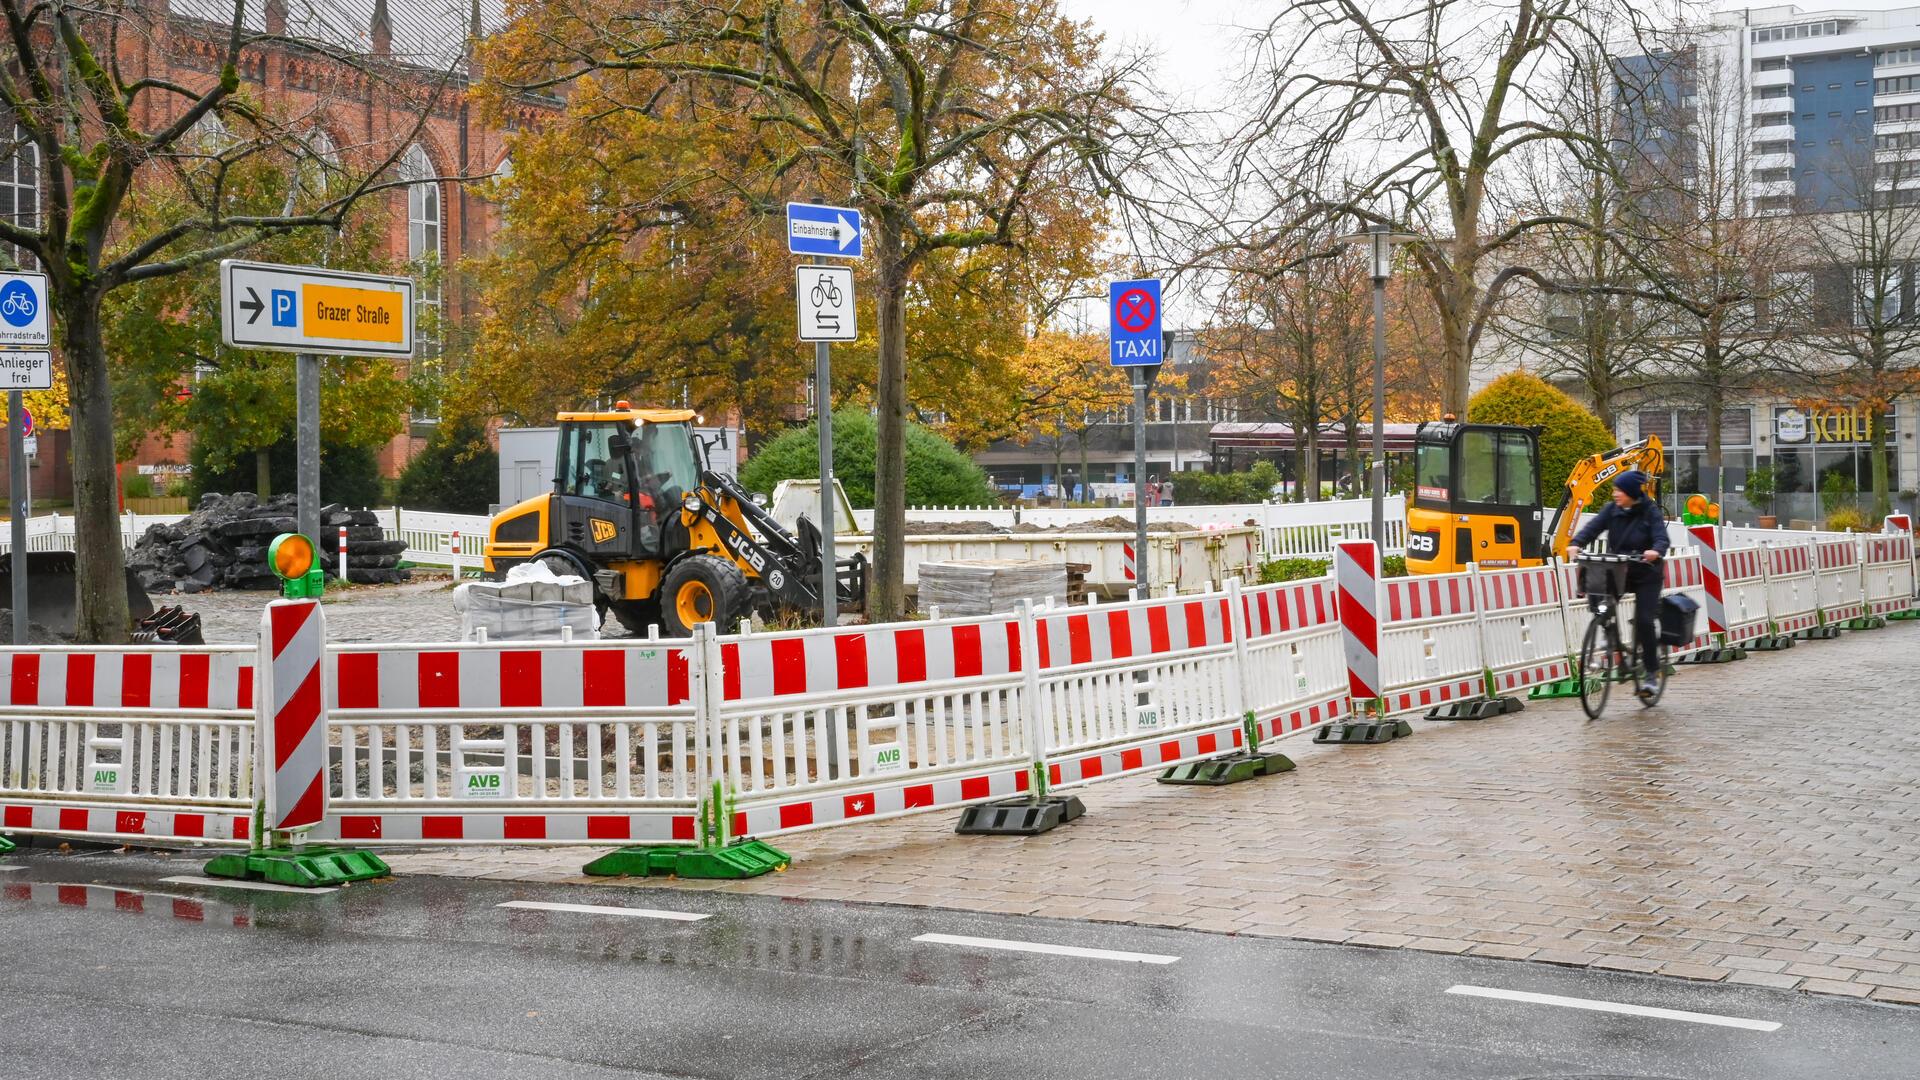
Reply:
x=295, y=561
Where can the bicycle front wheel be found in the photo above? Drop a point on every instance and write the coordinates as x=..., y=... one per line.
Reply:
x=1597, y=659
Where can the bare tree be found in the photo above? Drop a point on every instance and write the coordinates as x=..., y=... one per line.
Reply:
x=89, y=94
x=1737, y=301
x=1440, y=102
x=1867, y=251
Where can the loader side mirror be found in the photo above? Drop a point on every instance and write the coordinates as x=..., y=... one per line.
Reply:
x=619, y=443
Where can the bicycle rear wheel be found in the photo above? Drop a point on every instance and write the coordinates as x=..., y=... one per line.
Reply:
x=1598, y=663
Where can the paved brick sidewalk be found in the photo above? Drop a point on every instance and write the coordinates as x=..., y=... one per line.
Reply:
x=1761, y=827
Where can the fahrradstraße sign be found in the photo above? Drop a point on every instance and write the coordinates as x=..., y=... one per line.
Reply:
x=23, y=311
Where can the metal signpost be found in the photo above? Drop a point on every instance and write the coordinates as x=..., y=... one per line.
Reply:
x=311, y=311
x=823, y=296
x=1135, y=343
x=25, y=364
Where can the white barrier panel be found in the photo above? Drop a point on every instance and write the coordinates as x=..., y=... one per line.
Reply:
x=1429, y=642
x=483, y=743
x=1793, y=594
x=128, y=742
x=1683, y=574
x=1837, y=571
x=1294, y=670
x=1523, y=632
x=1888, y=571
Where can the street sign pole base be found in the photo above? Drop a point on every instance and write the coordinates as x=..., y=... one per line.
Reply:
x=1363, y=731
x=1020, y=817
x=1227, y=769
x=304, y=868
x=746, y=859
x=1480, y=708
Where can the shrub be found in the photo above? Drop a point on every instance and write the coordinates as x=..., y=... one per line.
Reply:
x=457, y=472
x=1847, y=519
x=938, y=474
x=1836, y=491
x=1568, y=433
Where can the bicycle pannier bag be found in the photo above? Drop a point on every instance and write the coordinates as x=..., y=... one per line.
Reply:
x=1677, y=614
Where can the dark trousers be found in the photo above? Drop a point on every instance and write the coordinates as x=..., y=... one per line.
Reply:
x=1644, y=582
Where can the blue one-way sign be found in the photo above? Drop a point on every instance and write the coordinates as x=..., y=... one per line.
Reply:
x=1133, y=322
x=823, y=230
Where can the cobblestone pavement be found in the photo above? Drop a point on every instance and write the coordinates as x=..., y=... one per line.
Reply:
x=1758, y=828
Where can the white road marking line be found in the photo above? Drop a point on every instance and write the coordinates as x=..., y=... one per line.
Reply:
x=1615, y=1007
x=4, y=869
x=1042, y=947
x=256, y=886
x=600, y=909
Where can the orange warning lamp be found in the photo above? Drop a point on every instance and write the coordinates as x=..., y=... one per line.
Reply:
x=1696, y=504
x=292, y=557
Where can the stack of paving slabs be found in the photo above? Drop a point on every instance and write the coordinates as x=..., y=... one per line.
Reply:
x=532, y=604
x=990, y=586
x=372, y=559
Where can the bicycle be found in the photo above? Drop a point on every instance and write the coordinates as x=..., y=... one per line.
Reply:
x=1604, y=660
x=826, y=293
x=17, y=304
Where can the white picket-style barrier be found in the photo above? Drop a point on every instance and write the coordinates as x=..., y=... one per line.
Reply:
x=1523, y=632
x=1887, y=567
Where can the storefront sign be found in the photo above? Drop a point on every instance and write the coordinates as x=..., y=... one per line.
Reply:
x=1824, y=426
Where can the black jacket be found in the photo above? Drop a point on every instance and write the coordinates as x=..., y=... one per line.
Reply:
x=1640, y=527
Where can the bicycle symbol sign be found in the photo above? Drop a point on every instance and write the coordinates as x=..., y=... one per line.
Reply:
x=824, y=296
x=1135, y=310
x=23, y=311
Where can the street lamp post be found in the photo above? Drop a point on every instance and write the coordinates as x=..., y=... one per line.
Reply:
x=1380, y=240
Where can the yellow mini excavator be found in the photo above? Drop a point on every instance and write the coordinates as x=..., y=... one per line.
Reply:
x=664, y=538
x=1477, y=495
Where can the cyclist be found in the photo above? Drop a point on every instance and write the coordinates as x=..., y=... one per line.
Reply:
x=1633, y=522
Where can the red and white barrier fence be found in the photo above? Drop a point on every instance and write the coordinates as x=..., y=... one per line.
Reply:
x=628, y=742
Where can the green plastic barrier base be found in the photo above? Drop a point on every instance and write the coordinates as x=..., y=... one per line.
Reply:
x=1568, y=687
x=1227, y=769
x=1865, y=622
x=1480, y=708
x=1714, y=655
x=1909, y=615
x=746, y=859
x=305, y=868
x=1818, y=633
x=1020, y=817
x=1771, y=643
x=1364, y=731
x=6, y=845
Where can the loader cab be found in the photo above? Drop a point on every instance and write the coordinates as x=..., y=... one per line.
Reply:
x=618, y=477
x=1476, y=497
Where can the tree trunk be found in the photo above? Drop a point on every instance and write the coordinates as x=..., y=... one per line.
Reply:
x=1086, y=478
x=263, y=472
x=886, y=599
x=99, y=560
x=1716, y=405
x=1882, y=446
x=1310, y=463
x=1353, y=447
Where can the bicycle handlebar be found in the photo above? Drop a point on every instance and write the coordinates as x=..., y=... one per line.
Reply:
x=1610, y=558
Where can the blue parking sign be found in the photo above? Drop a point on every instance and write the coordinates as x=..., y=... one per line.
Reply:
x=1133, y=322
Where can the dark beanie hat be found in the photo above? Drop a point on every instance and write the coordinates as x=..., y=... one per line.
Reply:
x=1633, y=482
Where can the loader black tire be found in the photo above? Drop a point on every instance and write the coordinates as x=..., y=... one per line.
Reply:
x=704, y=588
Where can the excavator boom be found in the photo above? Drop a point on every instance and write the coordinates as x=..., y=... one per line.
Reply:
x=1590, y=473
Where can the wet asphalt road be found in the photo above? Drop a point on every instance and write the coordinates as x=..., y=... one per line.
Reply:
x=110, y=971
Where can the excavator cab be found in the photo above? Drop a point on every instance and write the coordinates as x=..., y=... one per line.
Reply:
x=1476, y=497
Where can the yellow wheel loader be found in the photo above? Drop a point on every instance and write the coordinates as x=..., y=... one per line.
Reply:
x=664, y=539
x=1476, y=495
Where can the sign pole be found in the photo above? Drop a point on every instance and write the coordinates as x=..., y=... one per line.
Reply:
x=1141, y=376
x=307, y=442
x=17, y=492
x=829, y=567
x=1379, y=470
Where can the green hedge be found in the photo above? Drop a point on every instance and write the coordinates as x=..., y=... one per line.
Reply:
x=938, y=474
x=1278, y=570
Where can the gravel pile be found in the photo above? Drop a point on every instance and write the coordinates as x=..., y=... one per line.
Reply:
x=223, y=545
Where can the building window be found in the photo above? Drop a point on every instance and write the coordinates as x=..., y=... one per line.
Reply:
x=1772, y=63
x=1768, y=93
x=1898, y=84
x=1884, y=113
x=1887, y=294
x=1895, y=56
x=425, y=239
x=19, y=191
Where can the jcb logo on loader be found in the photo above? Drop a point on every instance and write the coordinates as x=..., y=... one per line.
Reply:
x=603, y=531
